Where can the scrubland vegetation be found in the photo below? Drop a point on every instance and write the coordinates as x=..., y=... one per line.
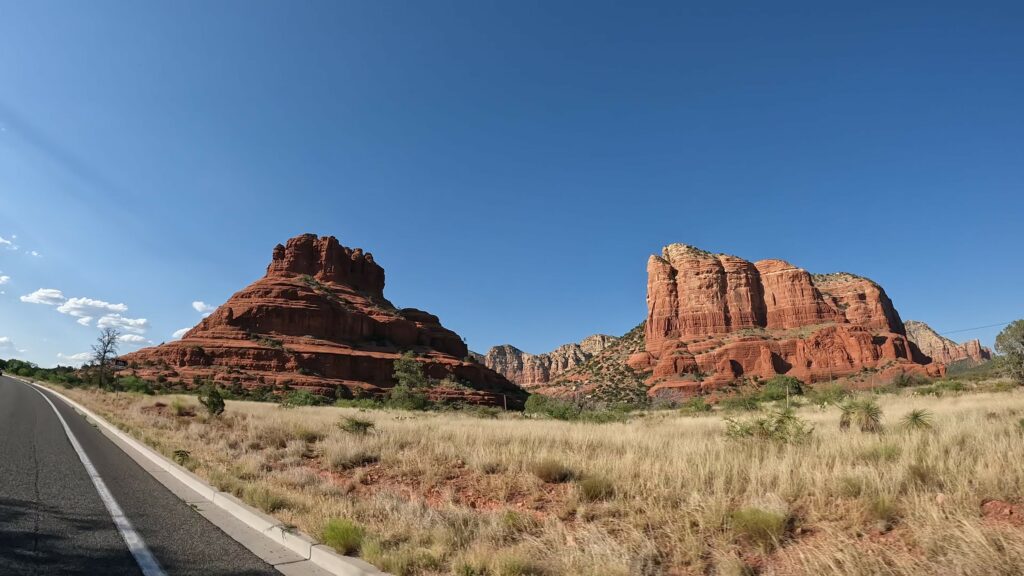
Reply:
x=834, y=484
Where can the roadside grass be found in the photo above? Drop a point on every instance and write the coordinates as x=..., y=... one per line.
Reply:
x=662, y=493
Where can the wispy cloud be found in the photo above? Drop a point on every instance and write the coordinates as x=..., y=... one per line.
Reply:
x=8, y=243
x=4, y=280
x=7, y=346
x=179, y=333
x=78, y=359
x=47, y=296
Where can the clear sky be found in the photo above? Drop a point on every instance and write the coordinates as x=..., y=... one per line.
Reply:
x=511, y=165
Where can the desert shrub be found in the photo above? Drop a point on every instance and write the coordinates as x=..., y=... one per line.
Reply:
x=345, y=456
x=917, y=419
x=780, y=387
x=760, y=527
x=830, y=394
x=907, y=379
x=302, y=398
x=782, y=426
x=133, y=384
x=343, y=535
x=552, y=471
x=403, y=397
x=551, y=407
x=695, y=405
x=356, y=425
x=265, y=498
x=212, y=400
x=594, y=488
x=748, y=403
x=1010, y=343
x=883, y=452
x=941, y=387
x=408, y=371
x=883, y=510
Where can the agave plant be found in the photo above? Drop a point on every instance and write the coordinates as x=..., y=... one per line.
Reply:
x=917, y=419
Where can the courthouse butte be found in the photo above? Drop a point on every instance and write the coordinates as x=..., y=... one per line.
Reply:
x=714, y=318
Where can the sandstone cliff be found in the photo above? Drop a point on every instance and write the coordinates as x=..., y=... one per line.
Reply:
x=319, y=320
x=942, y=349
x=530, y=370
x=713, y=318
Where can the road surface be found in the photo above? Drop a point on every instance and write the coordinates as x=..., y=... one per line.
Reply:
x=54, y=521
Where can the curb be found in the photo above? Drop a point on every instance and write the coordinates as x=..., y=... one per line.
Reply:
x=270, y=527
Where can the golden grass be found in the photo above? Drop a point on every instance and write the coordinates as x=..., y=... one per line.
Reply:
x=444, y=493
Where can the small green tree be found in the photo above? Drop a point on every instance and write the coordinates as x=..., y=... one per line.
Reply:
x=211, y=398
x=409, y=372
x=1010, y=343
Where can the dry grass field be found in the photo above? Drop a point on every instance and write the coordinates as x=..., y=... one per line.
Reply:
x=664, y=493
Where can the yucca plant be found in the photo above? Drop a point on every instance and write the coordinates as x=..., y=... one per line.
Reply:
x=868, y=415
x=865, y=413
x=917, y=419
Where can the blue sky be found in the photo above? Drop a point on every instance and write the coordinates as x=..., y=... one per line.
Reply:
x=511, y=165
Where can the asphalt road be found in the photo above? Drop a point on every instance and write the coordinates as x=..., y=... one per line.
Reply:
x=53, y=521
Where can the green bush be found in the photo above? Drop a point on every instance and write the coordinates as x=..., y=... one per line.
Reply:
x=406, y=398
x=302, y=398
x=345, y=536
x=408, y=372
x=133, y=384
x=356, y=425
x=696, y=405
x=780, y=387
x=210, y=397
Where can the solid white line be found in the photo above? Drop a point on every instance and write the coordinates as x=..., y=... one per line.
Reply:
x=145, y=559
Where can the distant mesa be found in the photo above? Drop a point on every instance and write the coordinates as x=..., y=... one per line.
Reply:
x=531, y=370
x=942, y=349
x=318, y=320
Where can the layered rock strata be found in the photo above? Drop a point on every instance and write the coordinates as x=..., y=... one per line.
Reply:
x=319, y=320
x=942, y=349
x=714, y=318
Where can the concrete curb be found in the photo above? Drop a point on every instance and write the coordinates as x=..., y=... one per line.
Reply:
x=270, y=527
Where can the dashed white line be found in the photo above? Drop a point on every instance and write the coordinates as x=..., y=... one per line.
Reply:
x=136, y=545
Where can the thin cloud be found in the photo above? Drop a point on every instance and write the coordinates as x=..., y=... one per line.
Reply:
x=179, y=333
x=7, y=346
x=46, y=296
x=8, y=244
x=84, y=320
x=80, y=358
x=4, y=280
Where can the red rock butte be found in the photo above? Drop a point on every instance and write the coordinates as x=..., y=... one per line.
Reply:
x=714, y=318
x=318, y=320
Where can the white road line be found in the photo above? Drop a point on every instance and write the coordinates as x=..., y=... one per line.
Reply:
x=145, y=559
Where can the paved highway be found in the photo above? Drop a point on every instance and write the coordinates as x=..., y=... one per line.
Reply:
x=53, y=519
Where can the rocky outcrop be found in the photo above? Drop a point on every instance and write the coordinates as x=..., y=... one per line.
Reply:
x=942, y=349
x=714, y=318
x=530, y=370
x=319, y=320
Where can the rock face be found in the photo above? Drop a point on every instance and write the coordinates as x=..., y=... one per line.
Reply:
x=942, y=349
x=319, y=320
x=713, y=318
x=531, y=370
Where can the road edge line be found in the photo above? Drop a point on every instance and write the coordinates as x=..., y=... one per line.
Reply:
x=270, y=527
